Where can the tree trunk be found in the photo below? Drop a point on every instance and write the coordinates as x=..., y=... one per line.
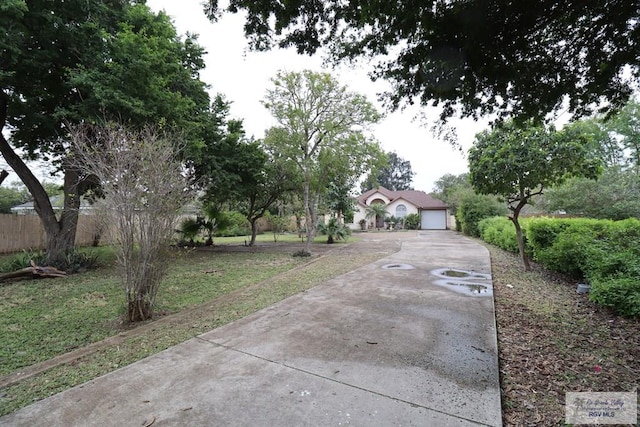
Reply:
x=60, y=235
x=254, y=231
x=3, y=175
x=139, y=310
x=519, y=237
x=308, y=215
x=41, y=202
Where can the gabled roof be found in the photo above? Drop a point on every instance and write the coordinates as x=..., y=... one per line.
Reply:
x=419, y=199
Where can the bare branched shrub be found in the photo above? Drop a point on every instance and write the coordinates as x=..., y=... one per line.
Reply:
x=144, y=188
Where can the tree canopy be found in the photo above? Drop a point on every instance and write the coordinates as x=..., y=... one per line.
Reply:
x=519, y=162
x=473, y=57
x=321, y=130
x=449, y=189
x=616, y=194
x=395, y=175
x=59, y=68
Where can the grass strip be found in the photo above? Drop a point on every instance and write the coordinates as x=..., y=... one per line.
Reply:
x=188, y=323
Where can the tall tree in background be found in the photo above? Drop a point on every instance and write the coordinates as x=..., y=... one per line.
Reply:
x=518, y=163
x=236, y=172
x=626, y=126
x=319, y=125
x=449, y=188
x=86, y=61
x=616, y=194
x=265, y=180
x=395, y=175
x=220, y=161
x=471, y=57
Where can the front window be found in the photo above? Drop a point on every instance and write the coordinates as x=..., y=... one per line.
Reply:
x=401, y=211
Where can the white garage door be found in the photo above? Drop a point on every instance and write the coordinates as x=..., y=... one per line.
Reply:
x=434, y=220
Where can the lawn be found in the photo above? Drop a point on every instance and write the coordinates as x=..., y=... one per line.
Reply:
x=42, y=318
x=206, y=288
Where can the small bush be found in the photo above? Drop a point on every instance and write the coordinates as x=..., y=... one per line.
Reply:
x=301, y=253
x=235, y=224
x=17, y=262
x=234, y=231
x=622, y=294
x=72, y=262
x=474, y=208
x=412, y=221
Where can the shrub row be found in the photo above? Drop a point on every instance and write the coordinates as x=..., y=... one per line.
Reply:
x=604, y=253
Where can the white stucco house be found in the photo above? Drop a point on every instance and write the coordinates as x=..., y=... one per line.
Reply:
x=434, y=214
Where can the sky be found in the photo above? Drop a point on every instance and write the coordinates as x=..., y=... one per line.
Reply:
x=244, y=78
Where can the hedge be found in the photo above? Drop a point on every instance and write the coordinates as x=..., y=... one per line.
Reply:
x=604, y=253
x=499, y=231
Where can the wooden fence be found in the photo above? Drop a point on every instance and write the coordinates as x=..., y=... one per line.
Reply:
x=25, y=232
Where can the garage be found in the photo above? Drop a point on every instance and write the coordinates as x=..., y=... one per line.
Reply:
x=434, y=220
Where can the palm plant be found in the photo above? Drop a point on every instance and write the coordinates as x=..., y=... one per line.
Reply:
x=376, y=211
x=215, y=219
x=190, y=228
x=334, y=230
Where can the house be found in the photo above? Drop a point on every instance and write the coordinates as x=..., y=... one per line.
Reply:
x=57, y=203
x=433, y=213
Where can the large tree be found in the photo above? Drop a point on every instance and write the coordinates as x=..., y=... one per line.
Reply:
x=616, y=194
x=450, y=188
x=520, y=162
x=522, y=58
x=395, y=175
x=86, y=61
x=320, y=128
x=236, y=172
x=625, y=127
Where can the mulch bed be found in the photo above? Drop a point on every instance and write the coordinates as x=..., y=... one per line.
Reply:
x=552, y=340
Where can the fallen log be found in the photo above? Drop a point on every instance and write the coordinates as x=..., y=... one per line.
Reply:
x=33, y=272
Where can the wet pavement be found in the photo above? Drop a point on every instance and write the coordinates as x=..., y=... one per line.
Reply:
x=407, y=340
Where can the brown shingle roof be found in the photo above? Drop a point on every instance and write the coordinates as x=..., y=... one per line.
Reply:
x=418, y=198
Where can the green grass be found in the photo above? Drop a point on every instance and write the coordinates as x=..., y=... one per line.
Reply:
x=268, y=238
x=42, y=318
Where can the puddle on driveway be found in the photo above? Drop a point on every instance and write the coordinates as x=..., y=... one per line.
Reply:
x=467, y=288
x=463, y=281
x=447, y=273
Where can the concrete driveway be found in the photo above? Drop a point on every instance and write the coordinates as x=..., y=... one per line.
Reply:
x=408, y=340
